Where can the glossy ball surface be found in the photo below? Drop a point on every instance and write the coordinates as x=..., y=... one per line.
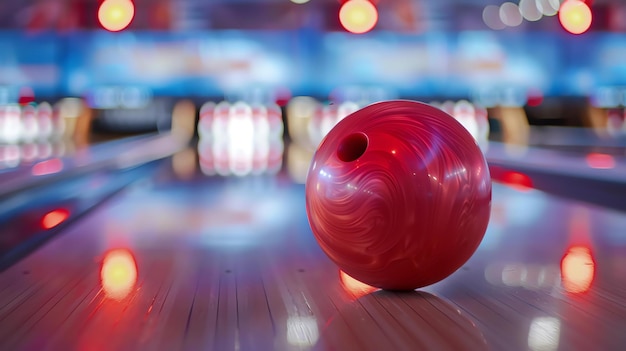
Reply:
x=398, y=195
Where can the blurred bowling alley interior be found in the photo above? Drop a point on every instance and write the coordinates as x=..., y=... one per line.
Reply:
x=96, y=95
x=81, y=72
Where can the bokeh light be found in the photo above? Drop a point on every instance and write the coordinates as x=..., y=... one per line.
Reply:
x=575, y=16
x=600, y=161
x=50, y=166
x=54, y=218
x=510, y=14
x=300, y=1
x=518, y=181
x=118, y=274
x=116, y=15
x=530, y=10
x=491, y=17
x=358, y=16
x=577, y=270
x=548, y=7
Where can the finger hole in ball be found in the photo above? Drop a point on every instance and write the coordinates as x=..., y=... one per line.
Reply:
x=352, y=147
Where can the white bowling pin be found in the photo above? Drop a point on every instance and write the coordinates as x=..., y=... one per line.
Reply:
x=205, y=122
x=30, y=125
x=3, y=109
x=464, y=113
x=241, y=139
x=329, y=118
x=275, y=156
x=261, y=138
x=448, y=107
x=205, y=156
x=44, y=150
x=44, y=121
x=219, y=133
x=58, y=123
x=12, y=126
x=614, y=122
x=482, y=118
x=345, y=109
x=275, y=120
x=11, y=155
x=29, y=152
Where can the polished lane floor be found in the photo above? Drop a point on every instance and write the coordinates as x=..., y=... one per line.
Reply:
x=181, y=261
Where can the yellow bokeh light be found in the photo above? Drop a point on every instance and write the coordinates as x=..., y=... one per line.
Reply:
x=116, y=15
x=358, y=16
x=575, y=16
x=118, y=274
x=577, y=270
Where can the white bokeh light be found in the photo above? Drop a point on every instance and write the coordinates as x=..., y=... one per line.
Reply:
x=548, y=7
x=530, y=11
x=510, y=14
x=491, y=17
x=544, y=334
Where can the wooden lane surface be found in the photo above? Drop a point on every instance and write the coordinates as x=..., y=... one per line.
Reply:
x=232, y=265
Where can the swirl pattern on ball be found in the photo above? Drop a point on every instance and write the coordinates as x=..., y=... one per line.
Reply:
x=398, y=195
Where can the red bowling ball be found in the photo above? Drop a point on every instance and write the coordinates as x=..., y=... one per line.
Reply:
x=398, y=195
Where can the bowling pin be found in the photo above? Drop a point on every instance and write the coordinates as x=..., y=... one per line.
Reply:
x=275, y=156
x=11, y=155
x=345, y=109
x=30, y=125
x=2, y=122
x=12, y=124
x=448, y=107
x=44, y=150
x=205, y=122
x=614, y=122
x=44, y=121
x=261, y=138
x=58, y=123
x=29, y=152
x=220, y=136
x=466, y=115
x=240, y=139
x=329, y=119
x=275, y=120
x=482, y=118
x=205, y=156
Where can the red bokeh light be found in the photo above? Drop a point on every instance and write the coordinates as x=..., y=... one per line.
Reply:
x=54, y=218
x=600, y=161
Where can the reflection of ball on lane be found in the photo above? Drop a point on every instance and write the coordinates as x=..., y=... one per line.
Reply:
x=398, y=195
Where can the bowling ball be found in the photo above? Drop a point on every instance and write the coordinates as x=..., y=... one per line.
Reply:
x=398, y=195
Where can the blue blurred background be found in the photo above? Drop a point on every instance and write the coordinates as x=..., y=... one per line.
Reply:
x=210, y=48
x=520, y=62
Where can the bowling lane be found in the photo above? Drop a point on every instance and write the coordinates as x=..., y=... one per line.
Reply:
x=113, y=154
x=590, y=177
x=181, y=261
x=31, y=217
x=578, y=140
